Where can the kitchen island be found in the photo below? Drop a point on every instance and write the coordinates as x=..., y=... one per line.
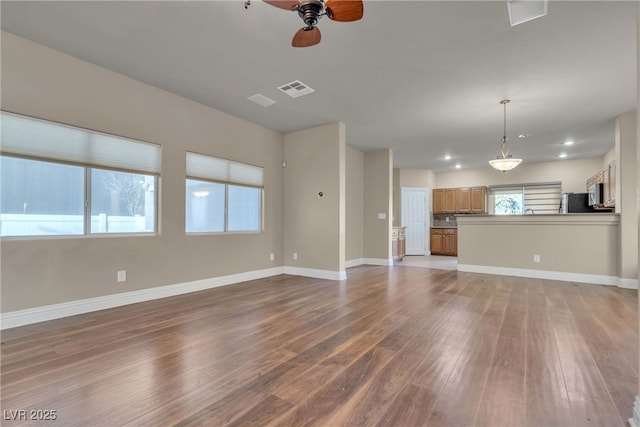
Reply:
x=570, y=247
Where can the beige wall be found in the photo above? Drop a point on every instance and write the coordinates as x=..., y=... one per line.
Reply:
x=609, y=157
x=354, y=203
x=41, y=82
x=579, y=244
x=572, y=173
x=378, y=198
x=315, y=226
x=626, y=193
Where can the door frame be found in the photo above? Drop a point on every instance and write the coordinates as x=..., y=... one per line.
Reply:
x=427, y=217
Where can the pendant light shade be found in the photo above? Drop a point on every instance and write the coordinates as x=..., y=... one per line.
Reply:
x=504, y=162
x=504, y=165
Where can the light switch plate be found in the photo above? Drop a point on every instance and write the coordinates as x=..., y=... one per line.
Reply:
x=382, y=215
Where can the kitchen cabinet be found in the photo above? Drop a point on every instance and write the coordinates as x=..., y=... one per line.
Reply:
x=606, y=177
x=398, y=243
x=436, y=242
x=450, y=242
x=444, y=241
x=479, y=200
x=464, y=200
x=610, y=186
x=451, y=200
x=438, y=200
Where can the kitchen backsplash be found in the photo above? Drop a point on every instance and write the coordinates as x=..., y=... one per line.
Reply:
x=444, y=220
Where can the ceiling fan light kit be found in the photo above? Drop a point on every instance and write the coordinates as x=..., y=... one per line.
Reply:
x=312, y=10
x=504, y=162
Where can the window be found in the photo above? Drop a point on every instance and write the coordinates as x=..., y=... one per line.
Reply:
x=539, y=198
x=62, y=180
x=41, y=198
x=222, y=195
x=121, y=202
x=509, y=201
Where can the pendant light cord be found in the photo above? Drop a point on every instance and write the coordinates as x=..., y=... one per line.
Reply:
x=505, y=152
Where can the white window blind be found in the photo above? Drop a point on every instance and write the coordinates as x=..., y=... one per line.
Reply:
x=537, y=198
x=26, y=136
x=543, y=198
x=215, y=169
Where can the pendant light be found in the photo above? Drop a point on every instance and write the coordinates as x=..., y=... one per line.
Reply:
x=505, y=162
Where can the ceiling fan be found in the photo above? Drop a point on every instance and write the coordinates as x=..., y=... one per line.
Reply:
x=312, y=10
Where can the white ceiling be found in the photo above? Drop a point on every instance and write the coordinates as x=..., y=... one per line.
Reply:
x=421, y=77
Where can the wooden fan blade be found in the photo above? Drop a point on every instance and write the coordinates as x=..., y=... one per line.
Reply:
x=306, y=37
x=344, y=10
x=283, y=4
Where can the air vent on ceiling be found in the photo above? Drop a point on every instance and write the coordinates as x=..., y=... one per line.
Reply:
x=261, y=100
x=296, y=88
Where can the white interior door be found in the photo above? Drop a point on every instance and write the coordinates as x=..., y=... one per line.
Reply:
x=415, y=205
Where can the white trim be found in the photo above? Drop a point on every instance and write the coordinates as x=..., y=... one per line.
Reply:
x=370, y=261
x=628, y=284
x=315, y=273
x=55, y=311
x=354, y=262
x=378, y=261
x=635, y=421
x=596, y=279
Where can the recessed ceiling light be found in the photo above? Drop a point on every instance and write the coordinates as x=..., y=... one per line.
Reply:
x=447, y=157
x=458, y=166
x=523, y=135
x=562, y=155
x=569, y=142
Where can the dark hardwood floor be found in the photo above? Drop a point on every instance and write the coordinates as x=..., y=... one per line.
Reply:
x=398, y=346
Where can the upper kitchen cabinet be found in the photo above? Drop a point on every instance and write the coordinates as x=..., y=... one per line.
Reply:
x=479, y=200
x=460, y=200
x=438, y=200
x=464, y=200
x=610, y=186
x=450, y=200
x=606, y=177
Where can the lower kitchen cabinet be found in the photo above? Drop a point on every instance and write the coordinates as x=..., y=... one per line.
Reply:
x=444, y=241
x=398, y=244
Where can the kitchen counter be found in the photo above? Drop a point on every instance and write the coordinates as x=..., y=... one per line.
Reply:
x=528, y=216
x=581, y=247
x=444, y=226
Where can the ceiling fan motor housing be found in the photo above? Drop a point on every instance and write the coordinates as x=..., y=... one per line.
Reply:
x=310, y=11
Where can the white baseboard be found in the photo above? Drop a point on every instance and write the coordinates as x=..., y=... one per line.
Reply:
x=635, y=420
x=377, y=261
x=56, y=311
x=369, y=261
x=596, y=279
x=354, y=262
x=315, y=273
x=628, y=284
x=28, y=316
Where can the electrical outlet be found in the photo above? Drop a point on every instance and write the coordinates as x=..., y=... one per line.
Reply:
x=272, y=257
x=295, y=255
x=122, y=276
x=536, y=258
